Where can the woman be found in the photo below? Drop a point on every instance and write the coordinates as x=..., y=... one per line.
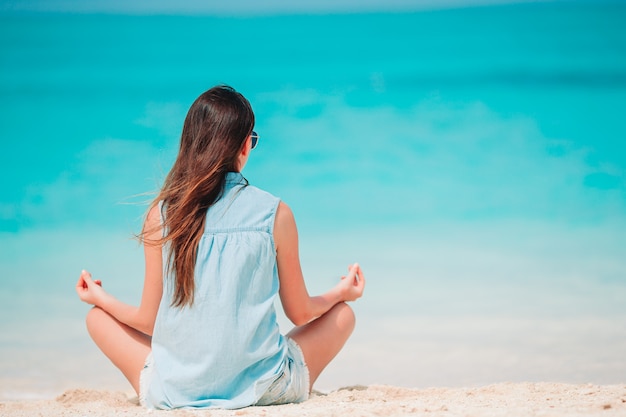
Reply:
x=217, y=252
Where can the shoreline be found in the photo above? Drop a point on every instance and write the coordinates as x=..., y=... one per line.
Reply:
x=503, y=399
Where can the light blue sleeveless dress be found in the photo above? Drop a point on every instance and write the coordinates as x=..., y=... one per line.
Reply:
x=226, y=350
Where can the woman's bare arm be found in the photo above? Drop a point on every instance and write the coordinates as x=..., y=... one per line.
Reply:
x=140, y=318
x=299, y=306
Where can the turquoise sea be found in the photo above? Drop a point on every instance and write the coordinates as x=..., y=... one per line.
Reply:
x=473, y=160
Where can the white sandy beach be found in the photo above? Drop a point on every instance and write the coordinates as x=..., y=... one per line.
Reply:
x=506, y=399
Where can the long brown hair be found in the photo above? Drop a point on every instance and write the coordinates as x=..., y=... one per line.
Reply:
x=215, y=130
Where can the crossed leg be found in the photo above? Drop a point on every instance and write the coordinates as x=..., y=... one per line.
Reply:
x=322, y=338
x=126, y=347
x=320, y=341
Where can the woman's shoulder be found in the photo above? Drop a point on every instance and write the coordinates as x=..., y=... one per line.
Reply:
x=261, y=194
x=154, y=215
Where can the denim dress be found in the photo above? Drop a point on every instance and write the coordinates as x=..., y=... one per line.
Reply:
x=225, y=350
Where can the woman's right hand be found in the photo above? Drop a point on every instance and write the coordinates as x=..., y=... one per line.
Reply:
x=352, y=285
x=89, y=290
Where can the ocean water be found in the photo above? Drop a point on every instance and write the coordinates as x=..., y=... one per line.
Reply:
x=473, y=160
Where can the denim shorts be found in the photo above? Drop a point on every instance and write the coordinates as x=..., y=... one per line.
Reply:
x=290, y=386
x=145, y=377
x=292, y=383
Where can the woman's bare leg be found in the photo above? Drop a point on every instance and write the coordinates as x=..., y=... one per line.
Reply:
x=321, y=339
x=126, y=347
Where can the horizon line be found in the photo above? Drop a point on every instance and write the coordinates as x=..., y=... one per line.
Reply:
x=279, y=8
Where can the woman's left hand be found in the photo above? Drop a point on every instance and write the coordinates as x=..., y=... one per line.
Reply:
x=89, y=290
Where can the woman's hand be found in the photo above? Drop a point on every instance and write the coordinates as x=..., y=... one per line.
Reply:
x=89, y=290
x=352, y=285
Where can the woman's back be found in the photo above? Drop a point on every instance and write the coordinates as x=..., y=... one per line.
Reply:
x=226, y=348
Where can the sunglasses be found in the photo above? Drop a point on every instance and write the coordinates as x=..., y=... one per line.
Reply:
x=255, y=139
